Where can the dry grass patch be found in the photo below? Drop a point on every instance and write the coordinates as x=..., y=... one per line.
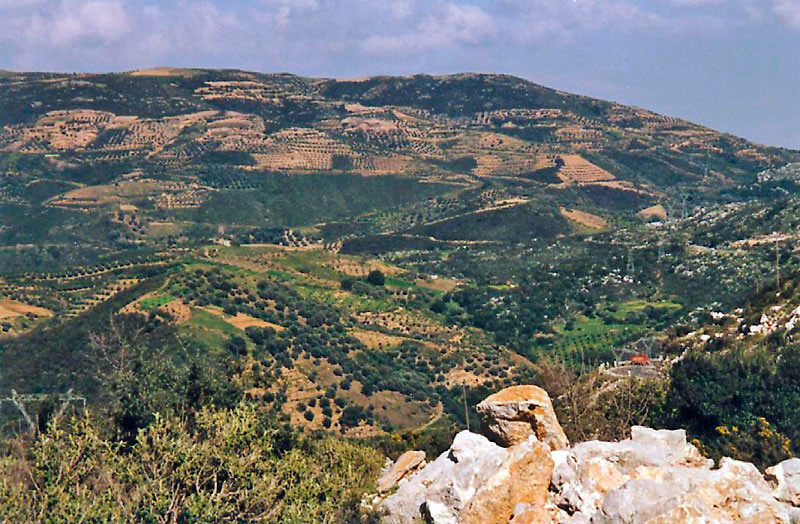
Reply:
x=578, y=170
x=406, y=323
x=361, y=268
x=12, y=309
x=457, y=377
x=442, y=284
x=240, y=320
x=377, y=340
x=657, y=212
x=165, y=72
x=180, y=312
x=399, y=411
x=584, y=220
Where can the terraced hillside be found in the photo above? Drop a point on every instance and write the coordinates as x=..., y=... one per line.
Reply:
x=360, y=256
x=153, y=141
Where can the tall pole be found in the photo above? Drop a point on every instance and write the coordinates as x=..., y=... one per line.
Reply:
x=631, y=268
x=755, y=276
x=777, y=266
x=466, y=411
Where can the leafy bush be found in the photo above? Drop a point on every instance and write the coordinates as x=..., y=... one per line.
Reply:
x=376, y=278
x=227, y=466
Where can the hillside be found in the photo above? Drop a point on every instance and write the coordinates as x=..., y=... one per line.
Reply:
x=160, y=156
x=356, y=255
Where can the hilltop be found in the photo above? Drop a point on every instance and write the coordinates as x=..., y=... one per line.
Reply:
x=180, y=152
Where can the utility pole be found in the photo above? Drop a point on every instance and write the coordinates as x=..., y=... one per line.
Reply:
x=777, y=266
x=755, y=276
x=631, y=268
x=466, y=411
x=684, y=201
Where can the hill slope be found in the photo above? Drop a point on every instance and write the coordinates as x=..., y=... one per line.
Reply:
x=230, y=220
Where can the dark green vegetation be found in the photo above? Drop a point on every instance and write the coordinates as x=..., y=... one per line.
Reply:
x=220, y=466
x=329, y=262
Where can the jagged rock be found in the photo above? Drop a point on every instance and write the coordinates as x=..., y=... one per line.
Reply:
x=512, y=415
x=638, y=501
x=523, y=477
x=655, y=477
x=787, y=477
x=403, y=467
x=439, y=491
x=583, y=475
x=475, y=481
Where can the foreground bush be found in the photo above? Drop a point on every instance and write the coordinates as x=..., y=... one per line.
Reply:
x=226, y=466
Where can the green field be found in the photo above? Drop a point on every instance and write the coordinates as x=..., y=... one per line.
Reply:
x=155, y=302
x=206, y=320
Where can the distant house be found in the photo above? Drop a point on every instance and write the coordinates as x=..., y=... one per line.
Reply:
x=640, y=360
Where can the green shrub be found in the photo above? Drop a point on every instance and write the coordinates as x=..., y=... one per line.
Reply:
x=376, y=278
x=227, y=466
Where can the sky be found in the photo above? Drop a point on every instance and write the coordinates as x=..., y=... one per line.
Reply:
x=733, y=65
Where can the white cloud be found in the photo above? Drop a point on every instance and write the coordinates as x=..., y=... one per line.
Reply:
x=19, y=4
x=281, y=11
x=451, y=24
x=697, y=3
x=66, y=22
x=292, y=4
x=96, y=19
x=402, y=8
x=567, y=19
x=788, y=11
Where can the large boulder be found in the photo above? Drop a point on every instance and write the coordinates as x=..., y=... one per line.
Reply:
x=475, y=481
x=439, y=491
x=786, y=477
x=514, y=414
x=583, y=475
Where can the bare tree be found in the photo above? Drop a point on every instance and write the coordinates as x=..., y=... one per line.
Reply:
x=591, y=405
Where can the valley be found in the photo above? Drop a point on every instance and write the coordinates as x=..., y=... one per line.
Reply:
x=357, y=264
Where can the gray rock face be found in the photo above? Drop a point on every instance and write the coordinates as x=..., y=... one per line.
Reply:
x=440, y=490
x=474, y=481
x=638, y=500
x=654, y=477
x=786, y=476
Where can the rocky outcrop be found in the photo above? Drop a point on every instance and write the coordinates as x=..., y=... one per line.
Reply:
x=475, y=481
x=514, y=414
x=523, y=477
x=654, y=477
